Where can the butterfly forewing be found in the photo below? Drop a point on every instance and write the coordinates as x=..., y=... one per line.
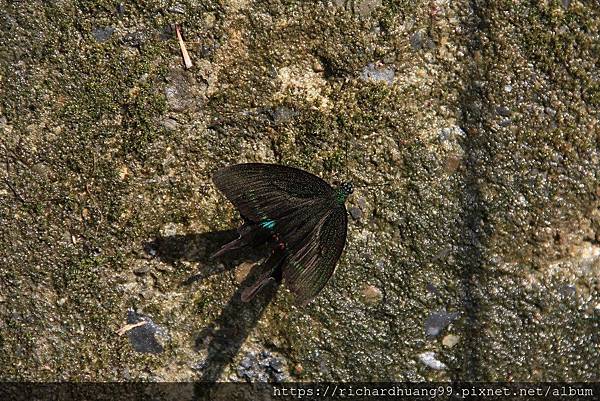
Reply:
x=301, y=209
x=269, y=191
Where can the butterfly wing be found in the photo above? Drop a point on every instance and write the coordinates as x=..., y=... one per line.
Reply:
x=304, y=213
x=269, y=191
x=312, y=260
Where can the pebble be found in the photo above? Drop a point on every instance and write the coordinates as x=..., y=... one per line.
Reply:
x=170, y=124
x=241, y=272
x=505, y=122
x=298, y=369
x=282, y=114
x=568, y=290
x=142, y=269
x=503, y=111
x=420, y=40
x=144, y=338
x=377, y=73
x=362, y=202
x=450, y=340
x=177, y=8
x=355, y=212
x=262, y=367
x=103, y=34
x=169, y=230
x=429, y=359
x=438, y=321
x=452, y=133
x=180, y=92
x=364, y=8
x=200, y=365
x=276, y=365
x=371, y=294
x=123, y=172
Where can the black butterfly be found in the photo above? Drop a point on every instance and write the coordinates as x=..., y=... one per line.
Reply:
x=301, y=216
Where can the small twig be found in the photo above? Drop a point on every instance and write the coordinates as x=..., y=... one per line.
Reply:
x=187, y=61
x=7, y=181
x=14, y=191
x=128, y=327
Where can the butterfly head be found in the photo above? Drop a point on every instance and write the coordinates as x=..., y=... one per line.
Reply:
x=344, y=191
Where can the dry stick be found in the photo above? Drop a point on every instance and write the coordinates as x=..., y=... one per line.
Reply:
x=14, y=191
x=187, y=61
x=7, y=180
x=128, y=327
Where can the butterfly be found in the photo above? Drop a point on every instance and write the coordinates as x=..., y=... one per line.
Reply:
x=301, y=217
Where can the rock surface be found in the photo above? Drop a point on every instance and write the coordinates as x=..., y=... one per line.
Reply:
x=470, y=130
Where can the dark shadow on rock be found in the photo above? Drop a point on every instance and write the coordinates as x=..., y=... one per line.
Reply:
x=189, y=247
x=223, y=338
x=474, y=231
x=199, y=248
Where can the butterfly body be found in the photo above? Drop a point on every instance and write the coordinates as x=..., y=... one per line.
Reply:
x=300, y=215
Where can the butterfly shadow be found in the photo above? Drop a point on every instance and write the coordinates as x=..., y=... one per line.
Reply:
x=222, y=339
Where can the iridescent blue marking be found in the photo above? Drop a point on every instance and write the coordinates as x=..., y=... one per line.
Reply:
x=268, y=224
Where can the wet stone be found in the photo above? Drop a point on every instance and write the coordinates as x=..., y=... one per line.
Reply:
x=355, y=212
x=420, y=40
x=505, y=122
x=371, y=295
x=364, y=8
x=261, y=367
x=550, y=111
x=568, y=290
x=142, y=270
x=503, y=111
x=144, y=338
x=281, y=114
x=377, y=73
x=429, y=359
x=103, y=34
x=450, y=340
x=177, y=8
x=450, y=134
x=438, y=321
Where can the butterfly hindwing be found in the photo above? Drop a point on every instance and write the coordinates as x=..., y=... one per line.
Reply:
x=312, y=262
